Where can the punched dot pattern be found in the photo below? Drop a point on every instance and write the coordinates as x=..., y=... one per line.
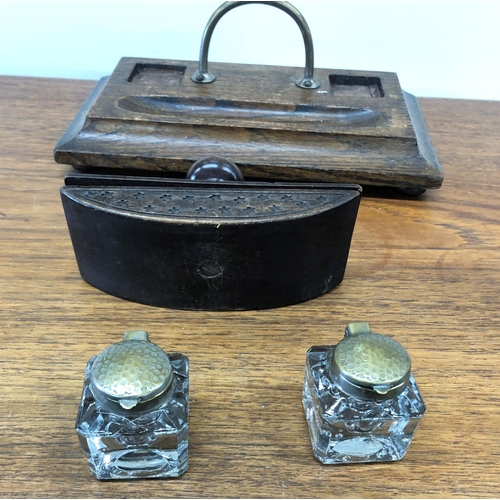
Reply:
x=131, y=369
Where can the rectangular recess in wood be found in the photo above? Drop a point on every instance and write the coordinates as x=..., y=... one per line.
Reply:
x=358, y=126
x=369, y=86
x=156, y=74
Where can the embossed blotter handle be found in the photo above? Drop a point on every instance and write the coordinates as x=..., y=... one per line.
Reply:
x=306, y=82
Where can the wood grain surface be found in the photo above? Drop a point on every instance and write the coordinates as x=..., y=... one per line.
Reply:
x=425, y=271
x=259, y=118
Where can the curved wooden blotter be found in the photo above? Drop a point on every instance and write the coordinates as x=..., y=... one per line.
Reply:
x=214, y=246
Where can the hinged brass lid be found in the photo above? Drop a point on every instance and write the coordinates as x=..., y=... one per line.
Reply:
x=369, y=365
x=133, y=371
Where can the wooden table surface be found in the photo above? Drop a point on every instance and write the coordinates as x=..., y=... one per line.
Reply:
x=425, y=271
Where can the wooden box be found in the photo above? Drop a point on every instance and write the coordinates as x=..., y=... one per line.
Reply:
x=356, y=127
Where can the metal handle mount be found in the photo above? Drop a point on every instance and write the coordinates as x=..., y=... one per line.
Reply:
x=306, y=82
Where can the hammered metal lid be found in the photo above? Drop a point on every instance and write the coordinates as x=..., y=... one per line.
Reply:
x=131, y=372
x=370, y=365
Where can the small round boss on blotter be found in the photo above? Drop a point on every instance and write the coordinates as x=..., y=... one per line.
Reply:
x=370, y=365
x=132, y=371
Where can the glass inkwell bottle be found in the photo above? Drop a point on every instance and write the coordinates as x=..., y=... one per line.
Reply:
x=133, y=417
x=360, y=398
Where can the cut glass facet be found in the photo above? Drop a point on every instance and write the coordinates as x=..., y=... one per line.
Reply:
x=150, y=440
x=348, y=429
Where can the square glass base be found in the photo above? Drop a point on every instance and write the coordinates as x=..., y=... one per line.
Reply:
x=344, y=429
x=121, y=444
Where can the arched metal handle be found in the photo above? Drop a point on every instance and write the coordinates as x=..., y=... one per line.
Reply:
x=306, y=82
